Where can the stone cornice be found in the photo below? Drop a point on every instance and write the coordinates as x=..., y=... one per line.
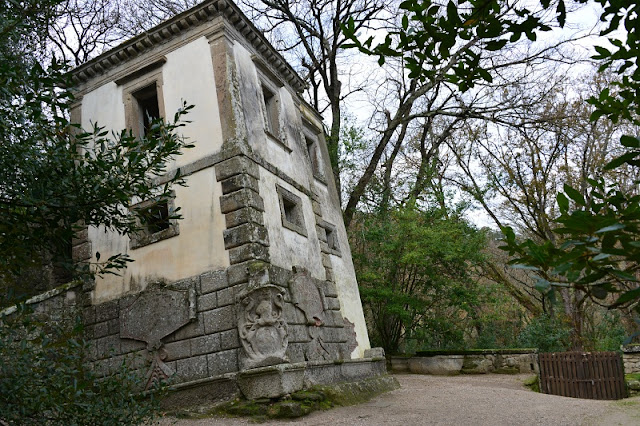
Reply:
x=179, y=24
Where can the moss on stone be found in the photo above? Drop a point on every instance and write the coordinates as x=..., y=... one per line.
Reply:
x=300, y=403
x=358, y=392
x=632, y=376
x=257, y=266
x=308, y=395
x=506, y=370
x=532, y=383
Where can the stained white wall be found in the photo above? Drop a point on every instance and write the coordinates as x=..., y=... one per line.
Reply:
x=186, y=75
x=198, y=248
x=288, y=248
x=292, y=159
x=344, y=273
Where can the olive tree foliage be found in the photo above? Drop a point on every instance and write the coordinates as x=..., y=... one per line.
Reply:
x=55, y=179
x=55, y=176
x=46, y=379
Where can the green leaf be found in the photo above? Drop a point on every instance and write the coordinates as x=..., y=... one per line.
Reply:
x=628, y=296
x=543, y=285
x=625, y=158
x=615, y=227
x=630, y=141
x=601, y=256
x=575, y=195
x=599, y=292
x=525, y=267
x=563, y=202
x=494, y=45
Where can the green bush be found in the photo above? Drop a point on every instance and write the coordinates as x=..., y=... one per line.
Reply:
x=546, y=333
x=45, y=378
x=606, y=333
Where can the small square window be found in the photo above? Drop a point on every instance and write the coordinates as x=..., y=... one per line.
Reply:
x=291, y=211
x=155, y=217
x=329, y=235
x=157, y=222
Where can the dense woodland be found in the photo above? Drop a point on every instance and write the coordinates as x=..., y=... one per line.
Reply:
x=455, y=129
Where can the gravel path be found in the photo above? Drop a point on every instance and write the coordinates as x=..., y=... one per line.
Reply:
x=462, y=400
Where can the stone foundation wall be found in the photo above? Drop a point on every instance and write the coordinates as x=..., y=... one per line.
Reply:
x=468, y=363
x=631, y=359
x=205, y=346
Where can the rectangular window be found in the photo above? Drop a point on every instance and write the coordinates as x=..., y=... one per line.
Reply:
x=330, y=237
x=271, y=111
x=314, y=156
x=157, y=222
x=148, y=108
x=291, y=211
x=143, y=101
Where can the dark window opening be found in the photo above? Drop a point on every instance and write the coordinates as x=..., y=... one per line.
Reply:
x=312, y=150
x=332, y=240
x=271, y=111
x=148, y=107
x=156, y=217
x=291, y=212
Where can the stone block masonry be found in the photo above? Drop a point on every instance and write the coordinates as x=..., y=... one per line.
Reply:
x=631, y=358
x=208, y=344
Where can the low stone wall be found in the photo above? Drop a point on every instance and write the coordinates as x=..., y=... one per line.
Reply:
x=468, y=362
x=631, y=358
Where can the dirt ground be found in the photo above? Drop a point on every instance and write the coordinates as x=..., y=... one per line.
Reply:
x=462, y=400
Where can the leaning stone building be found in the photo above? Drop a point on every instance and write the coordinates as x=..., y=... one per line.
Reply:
x=254, y=289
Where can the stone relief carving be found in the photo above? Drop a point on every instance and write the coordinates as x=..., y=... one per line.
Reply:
x=155, y=314
x=261, y=327
x=307, y=296
x=316, y=349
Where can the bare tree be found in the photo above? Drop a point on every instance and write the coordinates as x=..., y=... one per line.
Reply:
x=515, y=171
x=83, y=29
x=311, y=31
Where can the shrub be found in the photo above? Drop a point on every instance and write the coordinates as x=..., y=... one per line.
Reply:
x=45, y=378
x=546, y=333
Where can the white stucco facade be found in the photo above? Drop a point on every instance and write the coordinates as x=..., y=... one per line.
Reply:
x=230, y=218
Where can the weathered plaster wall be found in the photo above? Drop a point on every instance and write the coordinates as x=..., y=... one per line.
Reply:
x=188, y=75
x=185, y=66
x=105, y=107
x=287, y=247
x=198, y=248
x=288, y=155
x=344, y=272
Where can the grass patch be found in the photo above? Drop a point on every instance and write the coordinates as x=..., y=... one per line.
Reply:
x=632, y=376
